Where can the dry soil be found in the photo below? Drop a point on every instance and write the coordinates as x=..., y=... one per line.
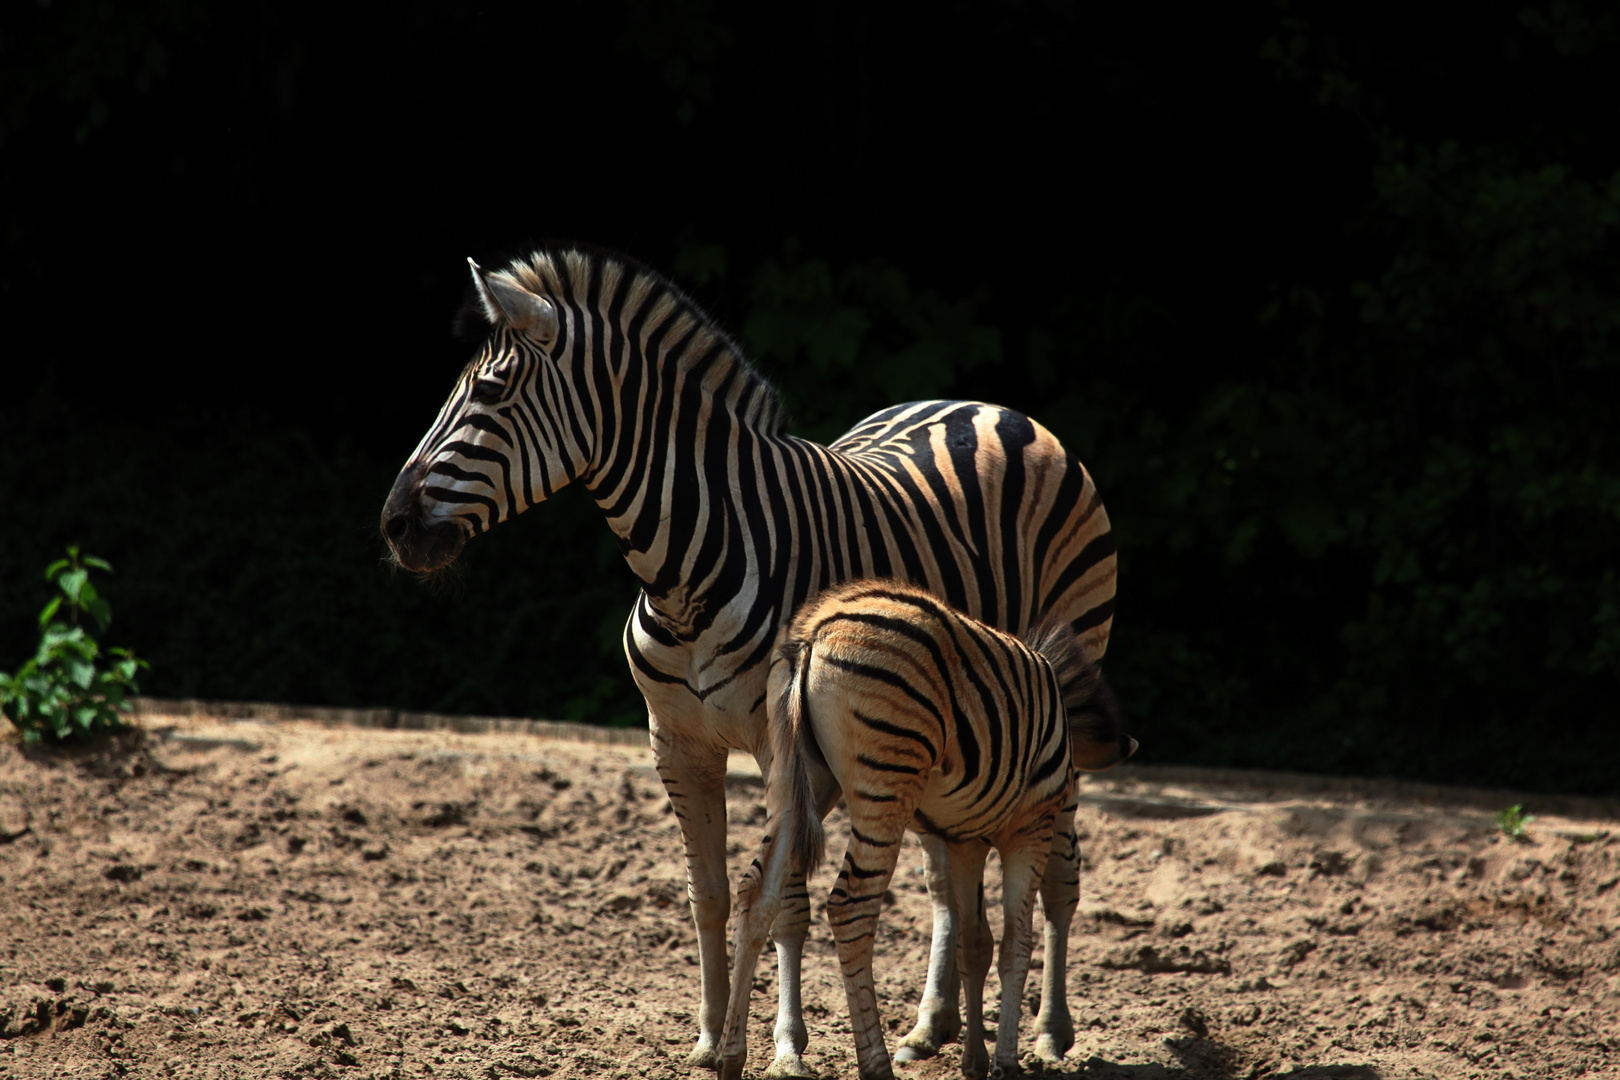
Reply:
x=288, y=899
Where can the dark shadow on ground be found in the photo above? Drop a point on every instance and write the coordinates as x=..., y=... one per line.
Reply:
x=1201, y=1059
x=117, y=755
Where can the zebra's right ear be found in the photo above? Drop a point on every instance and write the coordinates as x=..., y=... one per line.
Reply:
x=518, y=308
x=486, y=299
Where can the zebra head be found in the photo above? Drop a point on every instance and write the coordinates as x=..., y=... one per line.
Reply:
x=508, y=436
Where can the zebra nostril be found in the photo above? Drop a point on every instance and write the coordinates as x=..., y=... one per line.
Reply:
x=396, y=527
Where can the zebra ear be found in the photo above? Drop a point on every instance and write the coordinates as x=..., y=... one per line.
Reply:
x=519, y=308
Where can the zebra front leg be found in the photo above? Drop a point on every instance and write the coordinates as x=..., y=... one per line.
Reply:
x=975, y=950
x=1020, y=868
x=939, y=1019
x=694, y=775
x=1060, y=895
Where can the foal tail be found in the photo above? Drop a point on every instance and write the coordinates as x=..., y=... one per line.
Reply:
x=793, y=744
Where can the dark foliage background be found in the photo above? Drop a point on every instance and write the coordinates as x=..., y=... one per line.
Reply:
x=1327, y=296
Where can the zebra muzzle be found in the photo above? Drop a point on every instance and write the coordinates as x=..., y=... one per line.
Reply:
x=417, y=543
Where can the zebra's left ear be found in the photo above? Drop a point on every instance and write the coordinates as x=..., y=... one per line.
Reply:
x=519, y=308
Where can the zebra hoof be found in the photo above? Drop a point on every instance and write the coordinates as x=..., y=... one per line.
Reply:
x=731, y=1068
x=789, y=1067
x=1052, y=1046
x=935, y=1027
x=704, y=1057
x=923, y=1042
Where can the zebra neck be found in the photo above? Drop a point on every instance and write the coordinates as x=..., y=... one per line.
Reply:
x=679, y=457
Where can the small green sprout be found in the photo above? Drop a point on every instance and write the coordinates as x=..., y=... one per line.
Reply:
x=1514, y=822
x=72, y=688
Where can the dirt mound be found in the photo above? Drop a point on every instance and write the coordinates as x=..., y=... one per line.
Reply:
x=290, y=900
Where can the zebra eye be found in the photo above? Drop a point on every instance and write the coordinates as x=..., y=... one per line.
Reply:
x=488, y=391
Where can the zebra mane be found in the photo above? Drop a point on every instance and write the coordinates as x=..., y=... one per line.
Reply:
x=576, y=273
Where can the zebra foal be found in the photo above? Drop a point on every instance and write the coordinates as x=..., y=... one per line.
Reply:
x=923, y=719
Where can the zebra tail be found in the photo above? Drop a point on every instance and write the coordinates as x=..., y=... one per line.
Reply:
x=1077, y=676
x=1096, y=740
x=795, y=745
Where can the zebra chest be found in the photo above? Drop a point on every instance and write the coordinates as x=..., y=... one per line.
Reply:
x=703, y=689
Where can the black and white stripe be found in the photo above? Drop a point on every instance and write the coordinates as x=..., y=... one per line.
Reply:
x=601, y=372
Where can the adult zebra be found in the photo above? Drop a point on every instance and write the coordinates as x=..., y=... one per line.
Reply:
x=598, y=370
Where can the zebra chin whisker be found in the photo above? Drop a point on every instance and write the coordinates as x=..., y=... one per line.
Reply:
x=449, y=579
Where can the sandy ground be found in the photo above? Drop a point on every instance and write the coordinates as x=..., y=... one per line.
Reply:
x=286, y=899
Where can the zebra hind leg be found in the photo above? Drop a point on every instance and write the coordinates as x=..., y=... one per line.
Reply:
x=852, y=912
x=1021, y=869
x=791, y=929
x=759, y=902
x=939, y=1018
x=1060, y=895
x=793, y=920
x=976, y=948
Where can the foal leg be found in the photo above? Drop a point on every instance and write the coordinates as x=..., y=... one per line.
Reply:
x=852, y=912
x=791, y=930
x=694, y=775
x=1060, y=895
x=939, y=1019
x=976, y=948
x=1021, y=868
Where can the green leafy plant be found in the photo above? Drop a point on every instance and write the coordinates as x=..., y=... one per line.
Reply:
x=69, y=689
x=1514, y=822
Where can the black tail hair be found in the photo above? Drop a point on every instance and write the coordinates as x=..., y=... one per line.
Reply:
x=1093, y=710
